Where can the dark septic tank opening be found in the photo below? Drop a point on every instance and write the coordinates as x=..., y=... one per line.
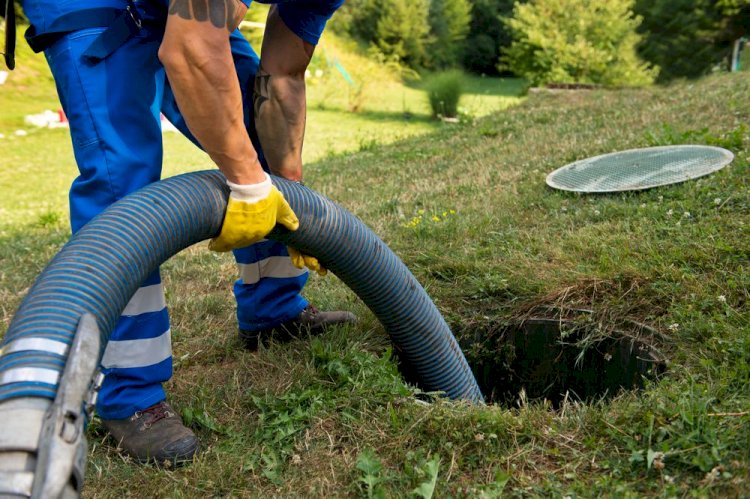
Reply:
x=554, y=359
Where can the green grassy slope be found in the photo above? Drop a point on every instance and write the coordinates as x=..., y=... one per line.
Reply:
x=29, y=87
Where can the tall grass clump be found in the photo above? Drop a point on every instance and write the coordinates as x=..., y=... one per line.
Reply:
x=444, y=90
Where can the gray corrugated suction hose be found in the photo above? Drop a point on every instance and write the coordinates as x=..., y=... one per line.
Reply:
x=101, y=267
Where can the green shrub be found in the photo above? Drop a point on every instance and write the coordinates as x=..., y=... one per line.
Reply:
x=414, y=33
x=688, y=38
x=481, y=54
x=488, y=35
x=397, y=29
x=402, y=30
x=444, y=91
x=358, y=18
x=576, y=41
x=449, y=24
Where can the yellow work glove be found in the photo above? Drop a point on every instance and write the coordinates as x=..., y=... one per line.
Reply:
x=300, y=260
x=252, y=212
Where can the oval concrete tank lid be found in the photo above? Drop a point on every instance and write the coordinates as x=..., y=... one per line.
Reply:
x=638, y=169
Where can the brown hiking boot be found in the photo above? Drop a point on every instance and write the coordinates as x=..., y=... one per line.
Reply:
x=310, y=321
x=155, y=434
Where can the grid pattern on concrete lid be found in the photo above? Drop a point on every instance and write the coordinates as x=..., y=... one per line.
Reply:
x=638, y=169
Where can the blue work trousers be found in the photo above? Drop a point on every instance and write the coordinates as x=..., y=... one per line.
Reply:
x=114, y=109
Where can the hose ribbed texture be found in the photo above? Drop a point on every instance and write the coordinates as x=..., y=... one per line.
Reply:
x=103, y=265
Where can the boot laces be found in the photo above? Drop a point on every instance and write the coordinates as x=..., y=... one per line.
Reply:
x=155, y=413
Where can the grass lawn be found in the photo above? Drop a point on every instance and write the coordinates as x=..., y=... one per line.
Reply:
x=467, y=209
x=389, y=111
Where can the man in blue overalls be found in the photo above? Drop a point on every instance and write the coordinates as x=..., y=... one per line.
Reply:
x=117, y=65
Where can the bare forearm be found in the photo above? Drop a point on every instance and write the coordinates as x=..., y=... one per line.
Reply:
x=197, y=57
x=279, y=98
x=280, y=113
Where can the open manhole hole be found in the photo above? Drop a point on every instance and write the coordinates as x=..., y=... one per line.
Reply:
x=553, y=359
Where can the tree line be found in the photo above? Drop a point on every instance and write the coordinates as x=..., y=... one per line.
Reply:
x=609, y=42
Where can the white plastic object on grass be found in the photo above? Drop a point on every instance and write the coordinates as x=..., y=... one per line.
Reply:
x=46, y=119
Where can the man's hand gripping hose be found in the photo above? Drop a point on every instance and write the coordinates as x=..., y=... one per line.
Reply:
x=301, y=260
x=252, y=212
x=44, y=456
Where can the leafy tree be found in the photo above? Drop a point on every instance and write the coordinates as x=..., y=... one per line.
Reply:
x=402, y=30
x=481, y=54
x=358, y=18
x=688, y=38
x=488, y=35
x=449, y=24
x=576, y=41
x=416, y=33
x=397, y=29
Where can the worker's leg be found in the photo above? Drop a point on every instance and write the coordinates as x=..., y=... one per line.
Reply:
x=268, y=291
x=269, y=287
x=113, y=109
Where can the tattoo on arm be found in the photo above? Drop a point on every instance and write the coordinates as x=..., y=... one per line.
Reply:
x=260, y=93
x=221, y=13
